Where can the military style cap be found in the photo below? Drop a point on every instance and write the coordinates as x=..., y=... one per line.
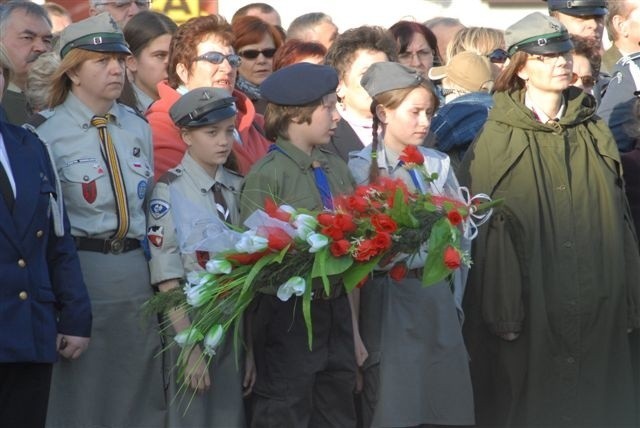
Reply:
x=537, y=34
x=386, y=76
x=98, y=33
x=468, y=70
x=202, y=106
x=579, y=7
x=299, y=84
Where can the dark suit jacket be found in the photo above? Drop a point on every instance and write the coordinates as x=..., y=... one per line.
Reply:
x=344, y=140
x=42, y=292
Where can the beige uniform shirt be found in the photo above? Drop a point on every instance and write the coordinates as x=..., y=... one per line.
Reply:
x=185, y=195
x=86, y=184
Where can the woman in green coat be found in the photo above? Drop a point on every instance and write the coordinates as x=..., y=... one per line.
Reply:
x=555, y=287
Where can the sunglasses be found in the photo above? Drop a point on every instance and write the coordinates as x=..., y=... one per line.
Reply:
x=498, y=56
x=253, y=53
x=588, y=81
x=218, y=58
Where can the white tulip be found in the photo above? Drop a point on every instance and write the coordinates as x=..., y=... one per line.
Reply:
x=217, y=266
x=317, y=241
x=295, y=285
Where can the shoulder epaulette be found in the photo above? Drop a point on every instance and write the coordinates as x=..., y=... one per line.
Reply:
x=134, y=111
x=171, y=175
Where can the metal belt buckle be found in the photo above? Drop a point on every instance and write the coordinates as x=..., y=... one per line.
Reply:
x=116, y=246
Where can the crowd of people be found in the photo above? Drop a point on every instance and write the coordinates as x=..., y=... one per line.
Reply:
x=119, y=130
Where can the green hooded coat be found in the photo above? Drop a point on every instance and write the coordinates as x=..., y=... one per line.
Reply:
x=558, y=263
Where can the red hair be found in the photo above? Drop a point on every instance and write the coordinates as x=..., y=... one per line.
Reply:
x=294, y=50
x=185, y=41
x=250, y=29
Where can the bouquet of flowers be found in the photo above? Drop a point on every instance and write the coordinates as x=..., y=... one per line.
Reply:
x=290, y=252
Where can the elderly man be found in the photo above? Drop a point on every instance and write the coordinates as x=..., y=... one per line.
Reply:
x=623, y=28
x=25, y=33
x=121, y=10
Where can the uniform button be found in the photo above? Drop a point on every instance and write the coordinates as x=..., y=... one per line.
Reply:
x=203, y=190
x=568, y=244
x=571, y=360
x=39, y=234
x=563, y=187
x=22, y=263
x=23, y=295
x=85, y=178
x=178, y=170
x=147, y=174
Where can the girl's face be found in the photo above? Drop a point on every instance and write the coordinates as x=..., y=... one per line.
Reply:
x=99, y=80
x=211, y=145
x=257, y=68
x=408, y=124
x=548, y=73
x=149, y=67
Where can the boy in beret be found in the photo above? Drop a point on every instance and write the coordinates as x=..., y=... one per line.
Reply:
x=297, y=386
x=193, y=192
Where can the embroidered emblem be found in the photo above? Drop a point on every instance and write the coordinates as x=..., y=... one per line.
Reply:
x=142, y=189
x=155, y=234
x=159, y=208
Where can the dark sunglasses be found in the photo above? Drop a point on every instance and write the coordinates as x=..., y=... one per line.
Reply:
x=498, y=56
x=218, y=58
x=253, y=53
x=588, y=81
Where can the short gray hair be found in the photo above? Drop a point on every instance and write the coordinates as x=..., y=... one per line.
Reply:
x=27, y=7
x=306, y=22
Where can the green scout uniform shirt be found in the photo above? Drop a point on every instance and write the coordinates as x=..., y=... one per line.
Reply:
x=559, y=263
x=75, y=145
x=289, y=179
x=194, y=186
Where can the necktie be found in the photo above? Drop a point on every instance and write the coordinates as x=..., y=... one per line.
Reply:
x=414, y=177
x=5, y=188
x=322, y=184
x=221, y=204
x=115, y=173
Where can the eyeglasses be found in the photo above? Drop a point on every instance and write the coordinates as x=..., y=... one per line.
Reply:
x=498, y=56
x=126, y=4
x=588, y=81
x=422, y=55
x=254, y=53
x=218, y=58
x=552, y=58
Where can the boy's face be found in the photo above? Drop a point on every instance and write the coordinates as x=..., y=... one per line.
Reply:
x=354, y=98
x=324, y=121
x=211, y=145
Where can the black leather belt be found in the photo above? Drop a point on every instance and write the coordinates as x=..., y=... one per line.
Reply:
x=106, y=246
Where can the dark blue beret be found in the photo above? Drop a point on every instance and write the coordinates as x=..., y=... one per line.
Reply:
x=299, y=84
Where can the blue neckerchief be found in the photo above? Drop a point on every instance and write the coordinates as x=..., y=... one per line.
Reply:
x=414, y=177
x=322, y=183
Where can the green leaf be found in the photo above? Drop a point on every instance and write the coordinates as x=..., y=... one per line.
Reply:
x=358, y=271
x=401, y=212
x=434, y=269
x=306, y=311
x=319, y=268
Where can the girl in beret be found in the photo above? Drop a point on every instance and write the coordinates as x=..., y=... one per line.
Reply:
x=554, y=290
x=417, y=372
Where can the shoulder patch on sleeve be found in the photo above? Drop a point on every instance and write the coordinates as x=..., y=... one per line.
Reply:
x=158, y=208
